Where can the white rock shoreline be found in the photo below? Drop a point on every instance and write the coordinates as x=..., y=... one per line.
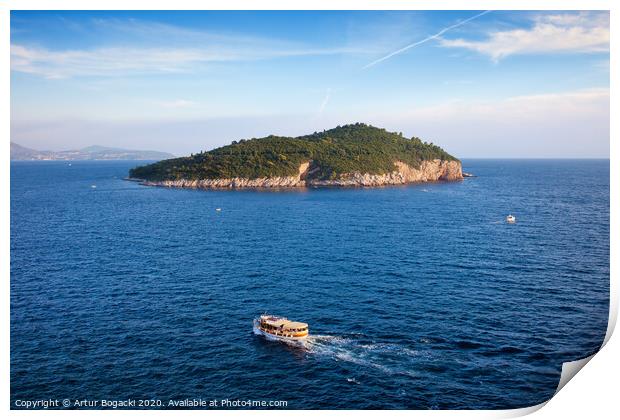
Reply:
x=429, y=171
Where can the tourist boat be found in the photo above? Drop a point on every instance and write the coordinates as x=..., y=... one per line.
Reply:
x=511, y=219
x=280, y=328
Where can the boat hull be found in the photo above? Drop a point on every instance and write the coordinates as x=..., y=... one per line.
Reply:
x=275, y=337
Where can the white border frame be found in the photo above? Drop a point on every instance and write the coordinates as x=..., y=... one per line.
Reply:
x=596, y=384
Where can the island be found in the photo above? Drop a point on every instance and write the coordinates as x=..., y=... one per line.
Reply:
x=350, y=155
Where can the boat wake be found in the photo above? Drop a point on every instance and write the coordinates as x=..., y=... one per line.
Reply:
x=390, y=358
x=387, y=357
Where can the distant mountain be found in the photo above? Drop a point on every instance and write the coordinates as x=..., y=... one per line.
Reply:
x=96, y=149
x=95, y=152
x=23, y=153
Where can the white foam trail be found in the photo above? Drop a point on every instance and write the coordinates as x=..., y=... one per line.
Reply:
x=386, y=357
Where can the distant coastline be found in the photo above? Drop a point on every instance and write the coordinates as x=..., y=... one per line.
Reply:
x=21, y=153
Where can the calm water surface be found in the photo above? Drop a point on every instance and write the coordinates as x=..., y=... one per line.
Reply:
x=417, y=297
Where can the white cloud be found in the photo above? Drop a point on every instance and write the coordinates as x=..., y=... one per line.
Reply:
x=560, y=33
x=119, y=61
x=569, y=124
x=177, y=103
x=149, y=48
x=104, y=61
x=458, y=82
x=586, y=101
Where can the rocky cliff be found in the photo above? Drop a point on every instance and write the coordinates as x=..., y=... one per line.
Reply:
x=429, y=171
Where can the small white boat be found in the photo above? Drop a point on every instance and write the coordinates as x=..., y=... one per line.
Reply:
x=218, y=209
x=280, y=328
x=511, y=219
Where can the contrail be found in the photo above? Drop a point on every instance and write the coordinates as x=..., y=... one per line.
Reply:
x=325, y=100
x=415, y=44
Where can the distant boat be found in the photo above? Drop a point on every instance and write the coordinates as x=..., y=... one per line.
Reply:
x=280, y=328
x=218, y=209
x=93, y=186
x=511, y=219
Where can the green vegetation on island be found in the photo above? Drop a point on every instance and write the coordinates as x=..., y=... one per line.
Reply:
x=341, y=150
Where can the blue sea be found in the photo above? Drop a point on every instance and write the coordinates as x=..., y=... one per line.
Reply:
x=417, y=297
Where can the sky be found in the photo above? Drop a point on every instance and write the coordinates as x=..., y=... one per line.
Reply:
x=488, y=84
